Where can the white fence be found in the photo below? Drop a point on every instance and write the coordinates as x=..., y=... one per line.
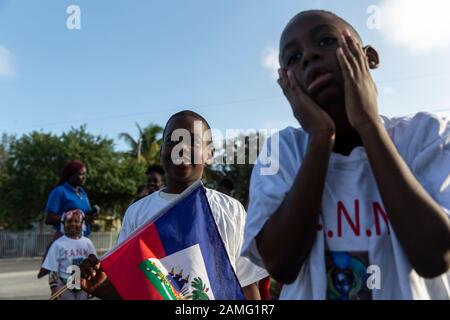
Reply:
x=33, y=244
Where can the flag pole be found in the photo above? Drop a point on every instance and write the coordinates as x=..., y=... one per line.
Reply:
x=59, y=292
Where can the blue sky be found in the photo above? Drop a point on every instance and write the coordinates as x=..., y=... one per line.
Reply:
x=140, y=61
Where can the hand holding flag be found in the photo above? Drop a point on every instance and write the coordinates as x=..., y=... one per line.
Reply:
x=178, y=255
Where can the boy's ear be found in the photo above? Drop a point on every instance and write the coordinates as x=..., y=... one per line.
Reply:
x=372, y=55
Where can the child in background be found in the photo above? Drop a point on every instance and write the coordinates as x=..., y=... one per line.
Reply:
x=70, y=249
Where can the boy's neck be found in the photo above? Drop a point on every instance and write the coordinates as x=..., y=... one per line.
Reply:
x=346, y=142
x=177, y=187
x=347, y=138
x=75, y=237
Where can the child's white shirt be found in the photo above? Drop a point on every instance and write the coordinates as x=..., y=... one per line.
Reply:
x=345, y=247
x=65, y=252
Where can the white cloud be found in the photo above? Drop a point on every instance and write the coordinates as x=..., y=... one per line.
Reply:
x=417, y=24
x=270, y=61
x=6, y=68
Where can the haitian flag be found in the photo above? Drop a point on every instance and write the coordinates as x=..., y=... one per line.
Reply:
x=179, y=255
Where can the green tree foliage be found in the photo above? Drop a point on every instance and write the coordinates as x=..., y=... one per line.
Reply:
x=237, y=163
x=35, y=160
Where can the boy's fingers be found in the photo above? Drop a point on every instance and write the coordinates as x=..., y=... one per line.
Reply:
x=87, y=272
x=84, y=273
x=354, y=49
x=345, y=65
x=280, y=84
x=362, y=57
x=94, y=261
x=283, y=88
x=281, y=73
x=286, y=91
x=293, y=84
x=300, y=95
x=365, y=58
x=353, y=63
x=282, y=81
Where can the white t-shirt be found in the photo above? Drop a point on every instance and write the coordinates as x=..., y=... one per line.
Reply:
x=229, y=215
x=65, y=252
x=345, y=247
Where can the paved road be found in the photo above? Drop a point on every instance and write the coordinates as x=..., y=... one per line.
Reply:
x=18, y=280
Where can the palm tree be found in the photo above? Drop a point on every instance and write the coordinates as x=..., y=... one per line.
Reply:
x=146, y=146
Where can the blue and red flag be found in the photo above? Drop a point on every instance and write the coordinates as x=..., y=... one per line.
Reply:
x=179, y=255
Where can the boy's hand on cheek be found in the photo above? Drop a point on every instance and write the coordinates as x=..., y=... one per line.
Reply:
x=360, y=89
x=312, y=118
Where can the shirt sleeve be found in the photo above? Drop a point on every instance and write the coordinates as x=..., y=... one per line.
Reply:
x=51, y=262
x=54, y=202
x=431, y=165
x=246, y=271
x=271, y=179
x=126, y=228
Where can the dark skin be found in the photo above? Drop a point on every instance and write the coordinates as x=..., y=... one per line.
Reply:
x=76, y=181
x=179, y=178
x=339, y=116
x=72, y=227
x=154, y=182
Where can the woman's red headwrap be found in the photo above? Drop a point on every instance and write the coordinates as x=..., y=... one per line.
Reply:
x=69, y=170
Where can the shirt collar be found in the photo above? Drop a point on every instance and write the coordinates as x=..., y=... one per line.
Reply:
x=69, y=186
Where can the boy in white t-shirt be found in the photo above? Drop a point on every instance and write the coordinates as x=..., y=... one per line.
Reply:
x=70, y=249
x=229, y=213
x=359, y=206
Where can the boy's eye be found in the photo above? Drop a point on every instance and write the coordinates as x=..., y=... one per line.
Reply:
x=327, y=41
x=294, y=58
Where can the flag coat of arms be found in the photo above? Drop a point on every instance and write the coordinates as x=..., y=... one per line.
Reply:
x=179, y=255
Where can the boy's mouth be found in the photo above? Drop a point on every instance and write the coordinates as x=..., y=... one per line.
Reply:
x=184, y=165
x=317, y=80
x=73, y=231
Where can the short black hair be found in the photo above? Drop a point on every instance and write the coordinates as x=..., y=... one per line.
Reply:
x=352, y=29
x=183, y=114
x=155, y=168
